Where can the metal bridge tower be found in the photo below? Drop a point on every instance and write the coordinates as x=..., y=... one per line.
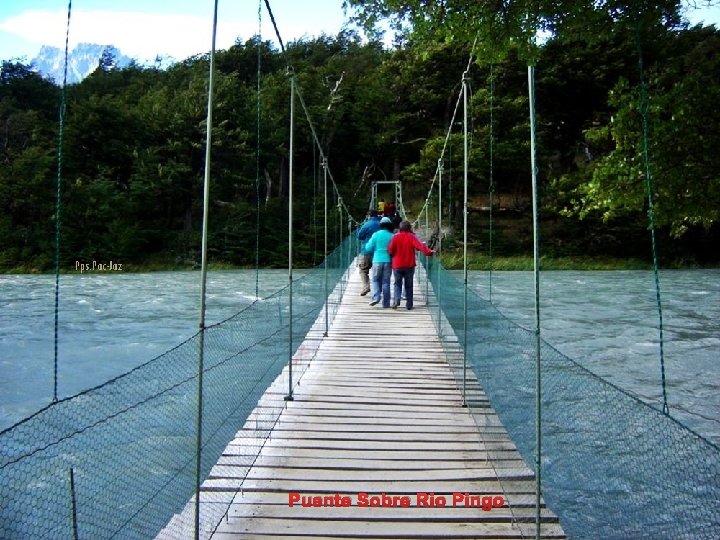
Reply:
x=398, y=195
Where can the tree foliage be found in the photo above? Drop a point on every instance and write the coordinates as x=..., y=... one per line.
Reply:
x=682, y=139
x=133, y=154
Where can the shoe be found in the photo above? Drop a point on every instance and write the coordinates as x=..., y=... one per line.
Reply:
x=409, y=308
x=374, y=302
x=364, y=292
x=394, y=306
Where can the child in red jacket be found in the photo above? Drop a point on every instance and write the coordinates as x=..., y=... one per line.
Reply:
x=402, y=249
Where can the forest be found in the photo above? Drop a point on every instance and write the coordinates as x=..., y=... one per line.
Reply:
x=611, y=89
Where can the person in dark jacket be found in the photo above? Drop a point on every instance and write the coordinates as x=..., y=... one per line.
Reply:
x=402, y=248
x=366, y=230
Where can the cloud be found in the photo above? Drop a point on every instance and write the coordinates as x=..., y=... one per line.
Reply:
x=702, y=14
x=136, y=34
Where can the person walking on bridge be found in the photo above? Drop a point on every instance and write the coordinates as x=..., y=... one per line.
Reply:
x=366, y=230
x=377, y=245
x=402, y=250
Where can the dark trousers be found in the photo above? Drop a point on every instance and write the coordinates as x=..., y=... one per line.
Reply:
x=404, y=277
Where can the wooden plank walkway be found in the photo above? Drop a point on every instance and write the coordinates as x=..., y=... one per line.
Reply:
x=377, y=411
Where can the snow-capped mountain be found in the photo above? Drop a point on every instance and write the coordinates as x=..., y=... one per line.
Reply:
x=82, y=61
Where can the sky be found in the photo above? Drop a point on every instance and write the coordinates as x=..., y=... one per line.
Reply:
x=142, y=29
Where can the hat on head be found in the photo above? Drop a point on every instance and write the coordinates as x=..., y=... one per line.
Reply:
x=385, y=220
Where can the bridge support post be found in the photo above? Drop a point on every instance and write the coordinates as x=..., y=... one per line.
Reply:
x=327, y=317
x=289, y=396
x=203, y=277
x=536, y=252
x=73, y=505
x=465, y=86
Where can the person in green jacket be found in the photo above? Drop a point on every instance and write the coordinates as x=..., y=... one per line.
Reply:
x=377, y=246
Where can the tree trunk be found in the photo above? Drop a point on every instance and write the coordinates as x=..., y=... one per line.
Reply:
x=284, y=177
x=268, y=186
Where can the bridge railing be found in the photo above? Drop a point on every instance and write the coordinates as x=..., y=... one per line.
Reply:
x=118, y=460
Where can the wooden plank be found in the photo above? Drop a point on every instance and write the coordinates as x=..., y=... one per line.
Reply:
x=467, y=514
x=375, y=445
x=515, y=498
x=366, y=427
x=233, y=529
x=313, y=417
x=371, y=475
x=379, y=408
x=369, y=436
x=491, y=486
x=393, y=454
x=495, y=485
x=330, y=463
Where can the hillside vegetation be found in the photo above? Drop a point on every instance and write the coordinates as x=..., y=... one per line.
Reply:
x=133, y=148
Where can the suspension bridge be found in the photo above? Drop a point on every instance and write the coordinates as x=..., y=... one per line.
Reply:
x=310, y=414
x=375, y=443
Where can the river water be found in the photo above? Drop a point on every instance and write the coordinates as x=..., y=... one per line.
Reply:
x=607, y=321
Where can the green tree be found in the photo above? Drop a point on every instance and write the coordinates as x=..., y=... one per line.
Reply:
x=683, y=137
x=28, y=116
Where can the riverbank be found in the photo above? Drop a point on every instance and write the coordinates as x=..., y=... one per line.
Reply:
x=130, y=268
x=451, y=261
x=526, y=263
x=454, y=261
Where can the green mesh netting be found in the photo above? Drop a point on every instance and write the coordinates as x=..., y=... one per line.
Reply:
x=612, y=466
x=131, y=441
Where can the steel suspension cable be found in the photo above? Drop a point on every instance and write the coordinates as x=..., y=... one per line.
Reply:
x=536, y=273
x=449, y=130
x=203, y=274
x=305, y=110
x=491, y=188
x=325, y=242
x=644, y=108
x=438, y=284
x=277, y=32
x=314, y=208
x=340, y=207
x=291, y=74
x=289, y=396
x=322, y=153
x=294, y=91
x=58, y=203
x=466, y=158
x=257, y=156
